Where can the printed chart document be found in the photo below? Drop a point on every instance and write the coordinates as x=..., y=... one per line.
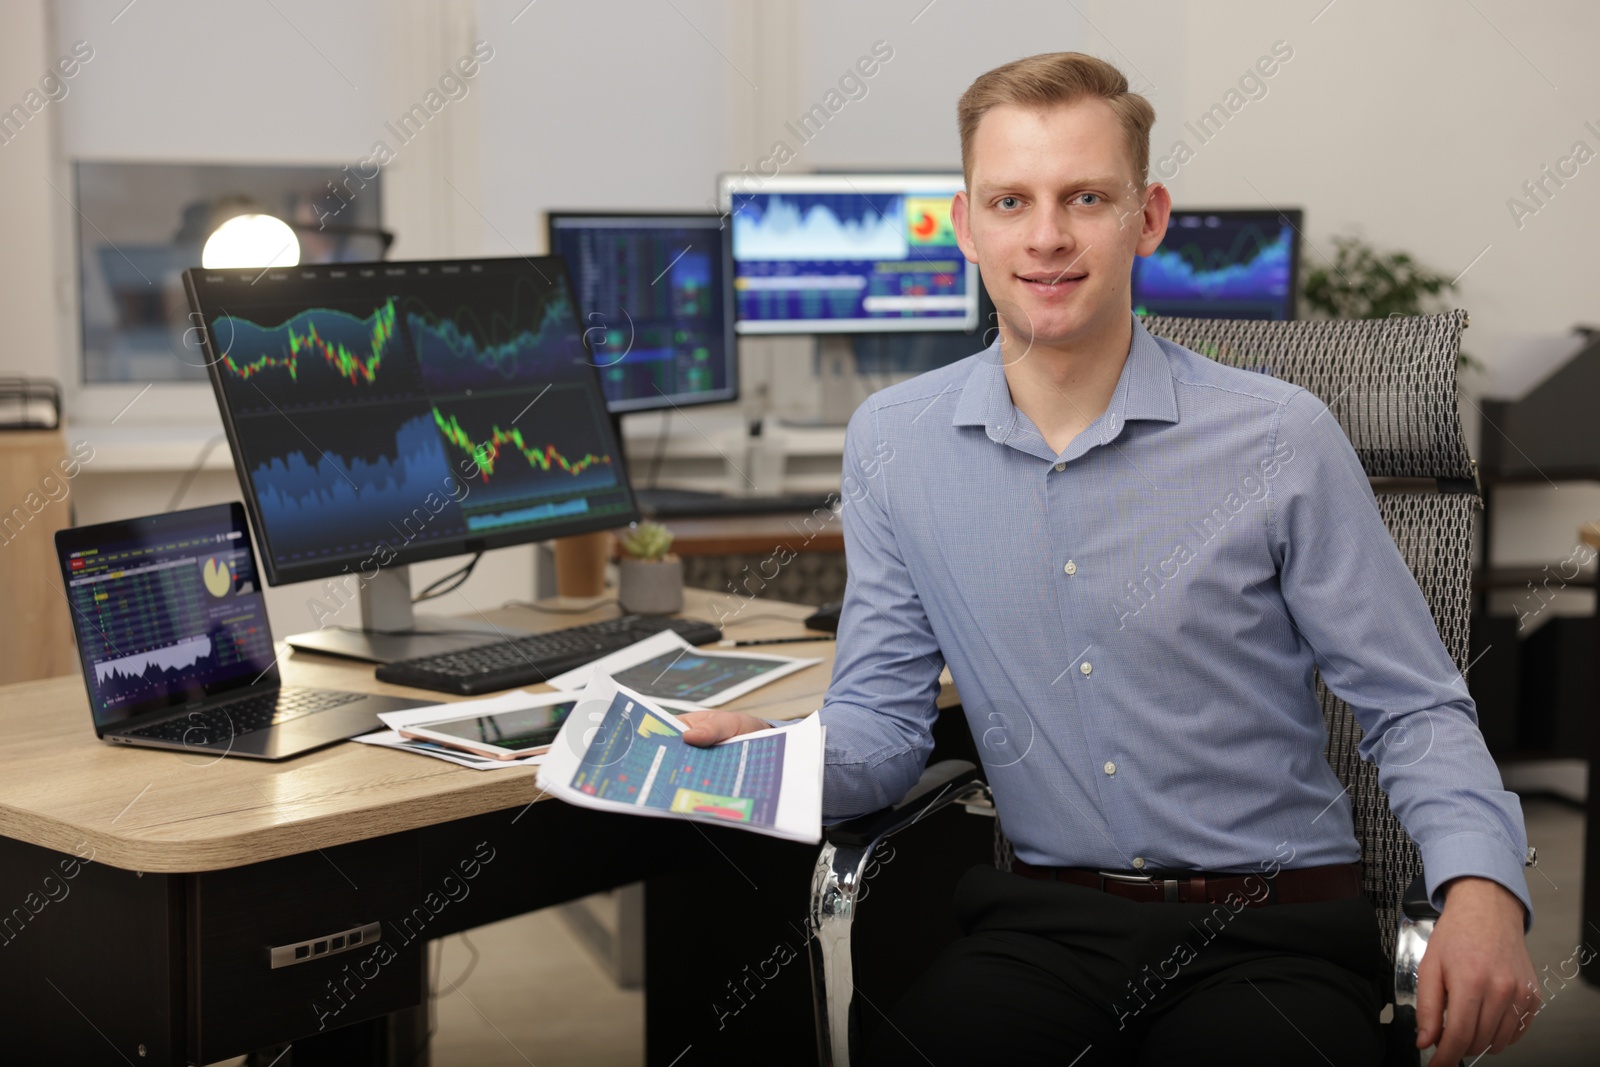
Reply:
x=620, y=751
x=675, y=674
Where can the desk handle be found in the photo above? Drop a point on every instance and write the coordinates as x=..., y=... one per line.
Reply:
x=320, y=947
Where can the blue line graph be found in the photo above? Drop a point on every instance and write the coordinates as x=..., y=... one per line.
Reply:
x=1250, y=269
x=329, y=502
x=821, y=226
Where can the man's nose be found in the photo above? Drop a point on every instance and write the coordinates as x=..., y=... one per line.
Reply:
x=1050, y=232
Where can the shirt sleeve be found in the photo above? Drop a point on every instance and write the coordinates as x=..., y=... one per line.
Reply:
x=1354, y=600
x=881, y=703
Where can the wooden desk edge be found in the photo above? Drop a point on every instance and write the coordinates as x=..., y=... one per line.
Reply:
x=447, y=792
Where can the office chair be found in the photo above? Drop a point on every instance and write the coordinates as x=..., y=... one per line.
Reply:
x=1392, y=385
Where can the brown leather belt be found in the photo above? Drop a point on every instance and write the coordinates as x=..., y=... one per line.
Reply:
x=1303, y=885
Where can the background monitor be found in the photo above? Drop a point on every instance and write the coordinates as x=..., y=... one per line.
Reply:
x=848, y=253
x=655, y=295
x=386, y=413
x=1222, y=264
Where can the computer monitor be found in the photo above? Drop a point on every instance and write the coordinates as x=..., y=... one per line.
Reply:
x=847, y=253
x=655, y=294
x=1222, y=264
x=382, y=414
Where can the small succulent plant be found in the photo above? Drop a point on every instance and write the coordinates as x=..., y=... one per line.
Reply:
x=647, y=540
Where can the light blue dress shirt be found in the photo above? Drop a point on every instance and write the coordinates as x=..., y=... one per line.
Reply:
x=1133, y=623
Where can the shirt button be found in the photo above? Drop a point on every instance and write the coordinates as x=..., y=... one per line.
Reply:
x=1061, y=466
x=1111, y=768
x=1138, y=862
x=1071, y=567
x=1085, y=668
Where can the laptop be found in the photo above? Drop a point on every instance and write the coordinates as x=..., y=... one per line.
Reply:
x=172, y=631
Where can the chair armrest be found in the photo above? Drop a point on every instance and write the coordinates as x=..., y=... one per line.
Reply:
x=1414, y=902
x=940, y=785
x=1417, y=917
x=836, y=883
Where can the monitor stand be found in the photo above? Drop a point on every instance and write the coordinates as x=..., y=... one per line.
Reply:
x=391, y=631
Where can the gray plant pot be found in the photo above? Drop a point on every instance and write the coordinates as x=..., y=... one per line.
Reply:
x=650, y=588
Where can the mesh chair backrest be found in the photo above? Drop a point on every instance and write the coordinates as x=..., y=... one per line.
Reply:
x=1392, y=385
x=1390, y=382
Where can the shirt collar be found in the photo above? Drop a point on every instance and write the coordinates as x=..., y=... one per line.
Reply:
x=1144, y=390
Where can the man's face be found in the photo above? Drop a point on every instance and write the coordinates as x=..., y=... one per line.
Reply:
x=1054, y=218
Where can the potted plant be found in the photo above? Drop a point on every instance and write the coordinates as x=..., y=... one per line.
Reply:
x=1363, y=283
x=650, y=579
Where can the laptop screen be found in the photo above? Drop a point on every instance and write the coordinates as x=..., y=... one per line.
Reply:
x=167, y=609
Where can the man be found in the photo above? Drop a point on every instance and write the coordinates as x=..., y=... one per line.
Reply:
x=1137, y=725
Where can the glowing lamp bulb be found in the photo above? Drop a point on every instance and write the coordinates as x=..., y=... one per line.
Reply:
x=251, y=241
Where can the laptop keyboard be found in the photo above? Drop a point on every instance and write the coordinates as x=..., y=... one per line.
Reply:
x=222, y=724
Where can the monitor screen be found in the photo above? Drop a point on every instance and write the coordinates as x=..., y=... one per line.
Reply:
x=1222, y=264
x=848, y=253
x=167, y=609
x=386, y=413
x=655, y=295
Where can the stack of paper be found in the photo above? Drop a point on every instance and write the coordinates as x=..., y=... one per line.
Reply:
x=517, y=700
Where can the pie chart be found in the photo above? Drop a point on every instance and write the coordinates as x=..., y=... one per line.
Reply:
x=217, y=576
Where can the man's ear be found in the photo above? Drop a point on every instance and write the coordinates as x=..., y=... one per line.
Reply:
x=1157, y=210
x=961, y=222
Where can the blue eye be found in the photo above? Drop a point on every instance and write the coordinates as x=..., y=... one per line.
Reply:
x=1003, y=201
x=1095, y=196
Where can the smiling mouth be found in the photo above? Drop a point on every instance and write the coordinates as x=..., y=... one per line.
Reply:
x=1048, y=282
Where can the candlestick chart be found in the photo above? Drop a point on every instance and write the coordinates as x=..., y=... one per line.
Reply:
x=315, y=356
x=514, y=454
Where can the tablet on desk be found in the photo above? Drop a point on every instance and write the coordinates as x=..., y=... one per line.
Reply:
x=503, y=735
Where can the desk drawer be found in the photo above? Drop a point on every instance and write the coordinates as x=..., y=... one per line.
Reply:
x=240, y=1001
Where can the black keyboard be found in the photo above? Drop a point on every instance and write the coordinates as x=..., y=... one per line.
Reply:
x=690, y=503
x=535, y=658
x=223, y=723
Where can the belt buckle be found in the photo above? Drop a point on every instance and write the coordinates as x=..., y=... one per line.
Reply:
x=1169, y=886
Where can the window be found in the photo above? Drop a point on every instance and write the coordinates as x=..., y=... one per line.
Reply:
x=140, y=225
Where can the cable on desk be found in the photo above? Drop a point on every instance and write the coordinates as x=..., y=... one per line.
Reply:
x=436, y=948
x=458, y=576
x=433, y=990
x=768, y=615
x=411, y=632
x=530, y=605
x=661, y=447
x=189, y=475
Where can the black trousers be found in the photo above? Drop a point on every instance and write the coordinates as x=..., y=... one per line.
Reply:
x=1049, y=973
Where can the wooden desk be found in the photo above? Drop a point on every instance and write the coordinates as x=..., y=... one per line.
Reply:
x=730, y=535
x=157, y=946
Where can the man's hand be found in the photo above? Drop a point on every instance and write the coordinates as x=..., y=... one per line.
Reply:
x=1477, y=966
x=710, y=727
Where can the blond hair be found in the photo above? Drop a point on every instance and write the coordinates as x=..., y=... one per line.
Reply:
x=1053, y=78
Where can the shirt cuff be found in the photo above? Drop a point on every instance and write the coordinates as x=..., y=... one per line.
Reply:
x=1473, y=854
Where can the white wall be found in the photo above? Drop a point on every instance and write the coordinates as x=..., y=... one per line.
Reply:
x=908, y=116
x=606, y=104
x=29, y=244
